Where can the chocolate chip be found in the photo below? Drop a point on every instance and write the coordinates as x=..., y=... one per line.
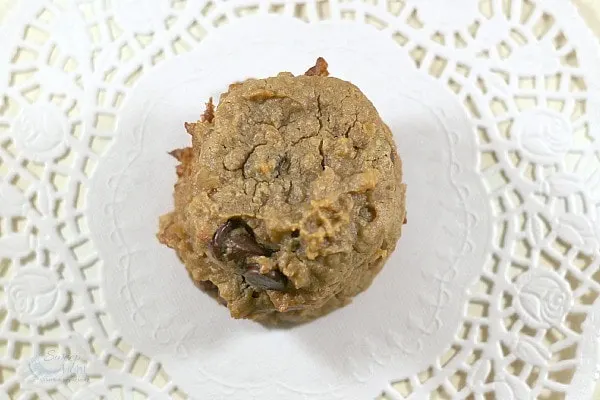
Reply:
x=272, y=280
x=235, y=240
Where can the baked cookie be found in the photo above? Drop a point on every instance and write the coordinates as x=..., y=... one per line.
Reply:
x=290, y=199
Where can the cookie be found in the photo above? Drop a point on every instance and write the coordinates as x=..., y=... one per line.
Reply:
x=290, y=198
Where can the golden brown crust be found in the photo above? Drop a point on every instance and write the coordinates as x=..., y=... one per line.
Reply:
x=319, y=69
x=209, y=112
x=184, y=156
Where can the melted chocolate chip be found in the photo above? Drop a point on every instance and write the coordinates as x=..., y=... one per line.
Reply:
x=272, y=280
x=234, y=240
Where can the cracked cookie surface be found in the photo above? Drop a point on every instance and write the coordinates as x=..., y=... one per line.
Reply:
x=290, y=199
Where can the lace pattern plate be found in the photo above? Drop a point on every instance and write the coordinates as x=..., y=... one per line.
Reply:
x=490, y=294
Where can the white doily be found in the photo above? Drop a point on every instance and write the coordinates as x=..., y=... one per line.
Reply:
x=494, y=107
